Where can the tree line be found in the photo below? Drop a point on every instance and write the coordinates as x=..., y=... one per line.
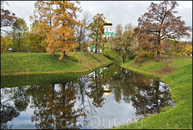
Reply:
x=55, y=28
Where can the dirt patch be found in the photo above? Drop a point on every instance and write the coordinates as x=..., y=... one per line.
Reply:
x=140, y=63
x=165, y=70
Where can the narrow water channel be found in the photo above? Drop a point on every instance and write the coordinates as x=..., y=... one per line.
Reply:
x=105, y=98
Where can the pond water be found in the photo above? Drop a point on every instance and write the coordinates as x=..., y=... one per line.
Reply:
x=105, y=98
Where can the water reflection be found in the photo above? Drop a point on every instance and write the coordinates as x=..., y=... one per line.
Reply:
x=86, y=102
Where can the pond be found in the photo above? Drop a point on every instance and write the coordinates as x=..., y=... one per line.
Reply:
x=105, y=98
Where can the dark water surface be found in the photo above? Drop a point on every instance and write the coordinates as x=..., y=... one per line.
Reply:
x=108, y=97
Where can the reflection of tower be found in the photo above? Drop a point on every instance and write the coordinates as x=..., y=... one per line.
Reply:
x=106, y=91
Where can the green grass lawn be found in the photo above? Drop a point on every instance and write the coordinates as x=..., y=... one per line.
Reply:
x=180, y=81
x=44, y=63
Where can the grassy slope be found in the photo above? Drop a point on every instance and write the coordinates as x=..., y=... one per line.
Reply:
x=43, y=63
x=24, y=80
x=180, y=81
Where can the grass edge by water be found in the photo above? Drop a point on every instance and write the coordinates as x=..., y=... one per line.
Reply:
x=178, y=116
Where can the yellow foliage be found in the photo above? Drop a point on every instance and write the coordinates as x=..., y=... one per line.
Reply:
x=42, y=21
x=70, y=53
x=188, y=48
x=61, y=38
x=6, y=42
x=56, y=25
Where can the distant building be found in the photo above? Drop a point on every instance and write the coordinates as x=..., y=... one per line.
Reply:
x=108, y=28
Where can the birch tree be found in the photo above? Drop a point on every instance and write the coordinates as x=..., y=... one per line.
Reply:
x=81, y=33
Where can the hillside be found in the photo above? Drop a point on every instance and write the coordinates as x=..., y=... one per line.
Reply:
x=13, y=64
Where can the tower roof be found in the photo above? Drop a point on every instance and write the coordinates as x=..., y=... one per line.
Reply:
x=108, y=22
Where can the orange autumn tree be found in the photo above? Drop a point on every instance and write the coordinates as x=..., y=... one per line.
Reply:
x=42, y=20
x=61, y=37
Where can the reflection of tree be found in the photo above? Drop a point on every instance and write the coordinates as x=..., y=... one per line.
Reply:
x=123, y=81
x=21, y=98
x=117, y=93
x=67, y=115
x=42, y=113
x=110, y=71
x=55, y=108
x=96, y=93
x=86, y=103
x=149, y=96
x=8, y=112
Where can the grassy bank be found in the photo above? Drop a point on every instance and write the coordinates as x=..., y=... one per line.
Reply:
x=24, y=80
x=14, y=64
x=179, y=77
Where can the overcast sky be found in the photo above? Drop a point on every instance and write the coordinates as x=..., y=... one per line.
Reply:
x=119, y=11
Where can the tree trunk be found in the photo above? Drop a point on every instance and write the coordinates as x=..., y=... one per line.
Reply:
x=123, y=58
x=39, y=49
x=158, y=51
x=81, y=53
x=96, y=48
x=19, y=42
x=64, y=54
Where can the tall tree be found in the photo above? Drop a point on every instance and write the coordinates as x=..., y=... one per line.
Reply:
x=97, y=32
x=42, y=21
x=160, y=23
x=62, y=38
x=37, y=41
x=123, y=43
x=81, y=33
x=20, y=35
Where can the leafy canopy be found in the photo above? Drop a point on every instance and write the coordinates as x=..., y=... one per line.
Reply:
x=158, y=24
x=123, y=43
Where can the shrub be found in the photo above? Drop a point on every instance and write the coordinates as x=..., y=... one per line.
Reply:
x=148, y=55
x=139, y=57
x=132, y=56
x=76, y=58
x=108, y=52
x=142, y=54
